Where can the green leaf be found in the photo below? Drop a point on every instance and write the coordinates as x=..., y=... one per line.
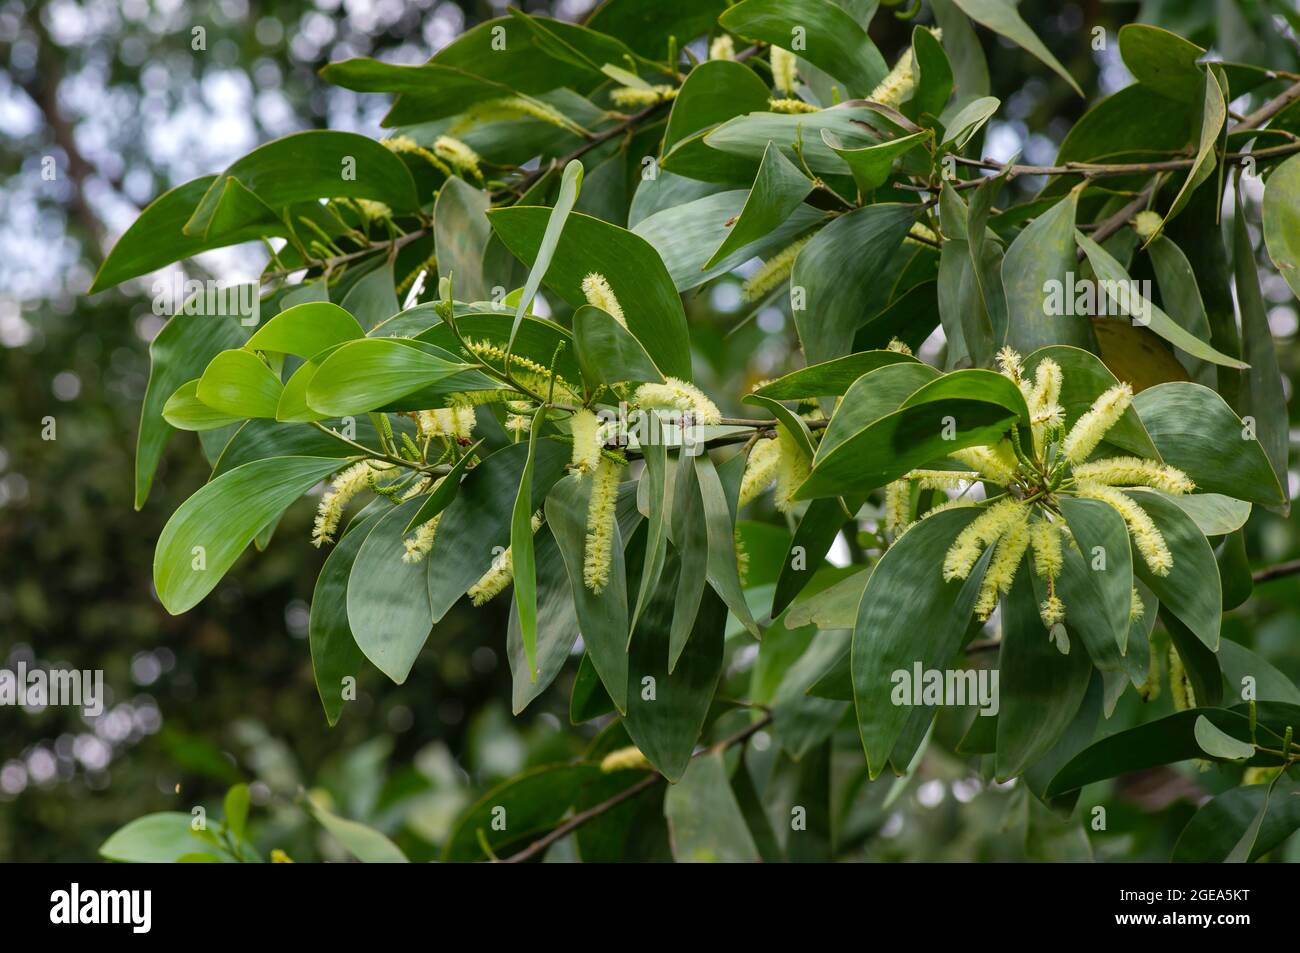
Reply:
x=570, y=186
x=1262, y=396
x=185, y=411
x=557, y=627
x=690, y=536
x=306, y=330
x=219, y=521
x=1214, y=113
x=962, y=409
x=800, y=720
x=969, y=120
x=908, y=616
x=373, y=299
x=364, y=843
x=1144, y=313
x=259, y=439
x=156, y=238
x=1040, y=689
x=835, y=273
x=835, y=42
x=1196, y=431
x=446, y=491
x=607, y=351
x=530, y=804
x=1192, y=590
x=1247, y=817
x=179, y=353
x=933, y=76
x=1085, y=378
x=873, y=396
x=817, y=529
x=646, y=28
x=601, y=617
x=335, y=654
x=239, y=384
x=521, y=548
x=872, y=165
x=712, y=93
x=704, y=818
x=748, y=136
x=236, y=810
x=630, y=265
x=475, y=527
x=460, y=234
x=312, y=165
x=1213, y=513
x=830, y=378
x=364, y=375
x=666, y=712
x=1182, y=298
x=387, y=597
x=161, y=838
x=1240, y=663
x=1042, y=258
x=1163, y=61
x=779, y=189
x=1097, y=579
x=1001, y=16
x=1165, y=741
x=720, y=526
x=1217, y=743
x=1282, y=221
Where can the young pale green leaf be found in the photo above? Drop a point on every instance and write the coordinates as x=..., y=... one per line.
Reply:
x=185, y=411
x=835, y=42
x=1001, y=16
x=235, y=805
x=334, y=652
x=177, y=355
x=872, y=165
x=607, y=351
x=908, y=616
x=631, y=266
x=969, y=120
x=364, y=375
x=704, y=816
x=778, y=190
x=521, y=548
x=387, y=597
x=601, y=617
x=1196, y=431
x=161, y=838
x=1217, y=743
x=836, y=272
x=364, y=843
x=306, y=329
x=570, y=187
x=239, y=384
x=207, y=533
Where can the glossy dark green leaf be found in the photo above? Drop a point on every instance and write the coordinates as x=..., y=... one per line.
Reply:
x=557, y=627
x=1181, y=298
x=207, y=533
x=365, y=375
x=1162, y=60
x=1196, y=431
x=1097, y=586
x=778, y=190
x=444, y=492
x=521, y=548
x=817, y=529
x=1192, y=590
x=1212, y=115
x=1219, y=827
x=1000, y=16
x=1040, y=260
x=933, y=81
x=712, y=93
x=720, y=527
x=461, y=232
x=607, y=351
x=831, y=378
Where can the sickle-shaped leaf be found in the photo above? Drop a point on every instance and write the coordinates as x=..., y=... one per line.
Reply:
x=557, y=627
x=570, y=186
x=778, y=190
x=704, y=817
x=1040, y=260
x=607, y=351
x=1213, y=115
x=208, y=531
x=1097, y=583
x=521, y=548
x=1001, y=16
x=1250, y=818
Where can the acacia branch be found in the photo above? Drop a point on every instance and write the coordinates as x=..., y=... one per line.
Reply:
x=649, y=781
x=1269, y=573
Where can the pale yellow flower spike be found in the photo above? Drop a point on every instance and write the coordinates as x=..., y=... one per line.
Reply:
x=987, y=462
x=1002, y=567
x=984, y=530
x=493, y=582
x=1009, y=363
x=675, y=394
x=760, y=470
x=457, y=154
x=1089, y=429
x=1045, y=537
x=1180, y=686
x=773, y=271
x=599, y=548
x=791, y=106
x=600, y=295
x=455, y=422
x=419, y=545
x=898, y=505
x=627, y=97
x=785, y=70
x=1146, y=223
x=792, y=469
x=586, y=441
x=1146, y=537
x=342, y=489
x=624, y=759
x=898, y=85
x=1052, y=610
x=898, y=347
x=1137, y=609
x=722, y=48
x=1133, y=471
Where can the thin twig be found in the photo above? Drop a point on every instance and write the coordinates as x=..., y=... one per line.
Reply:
x=1269, y=573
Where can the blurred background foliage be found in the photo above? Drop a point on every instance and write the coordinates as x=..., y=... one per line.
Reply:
x=116, y=93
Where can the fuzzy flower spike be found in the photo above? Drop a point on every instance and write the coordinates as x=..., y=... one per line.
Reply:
x=1025, y=476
